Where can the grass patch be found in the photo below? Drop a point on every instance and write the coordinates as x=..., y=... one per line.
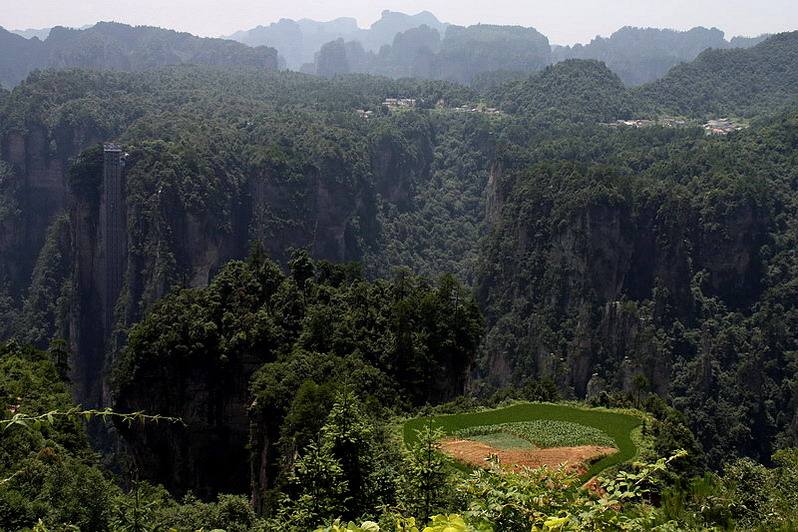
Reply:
x=545, y=433
x=618, y=427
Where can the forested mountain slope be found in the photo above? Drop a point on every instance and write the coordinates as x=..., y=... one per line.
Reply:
x=751, y=82
x=658, y=256
x=289, y=164
x=292, y=164
x=571, y=91
x=113, y=46
x=740, y=81
x=402, y=342
x=642, y=55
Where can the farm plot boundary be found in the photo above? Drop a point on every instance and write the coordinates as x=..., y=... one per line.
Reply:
x=616, y=425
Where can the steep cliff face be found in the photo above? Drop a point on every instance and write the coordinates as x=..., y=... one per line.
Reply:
x=38, y=150
x=173, y=243
x=40, y=188
x=39, y=153
x=401, y=159
x=197, y=194
x=319, y=213
x=593, y=275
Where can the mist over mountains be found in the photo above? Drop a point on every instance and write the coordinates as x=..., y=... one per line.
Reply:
x=298, y=41
x=403, y=45
x=397, y=45
x=113, y=46
x=30, y=33
x=640, y=55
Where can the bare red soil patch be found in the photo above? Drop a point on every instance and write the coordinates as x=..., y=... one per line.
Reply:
x=475, y=453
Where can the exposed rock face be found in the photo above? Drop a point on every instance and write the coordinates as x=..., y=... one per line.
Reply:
x=328, y=209
x=582, y=288
x=87, y=328
x=493, y=204
x=39, y=157
x=396, y=172
x=41, y=191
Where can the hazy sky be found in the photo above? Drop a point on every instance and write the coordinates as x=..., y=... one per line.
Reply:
x=563, y=21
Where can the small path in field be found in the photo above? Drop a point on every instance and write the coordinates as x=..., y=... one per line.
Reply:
x=475, y=453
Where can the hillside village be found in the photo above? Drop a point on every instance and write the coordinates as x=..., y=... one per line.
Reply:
x=404, y=104
x=720, y=126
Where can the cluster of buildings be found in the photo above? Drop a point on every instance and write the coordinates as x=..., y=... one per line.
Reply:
x=478, y=109
x=399, y=103
x=643, y=123
x=632, y=123
x=722, y=126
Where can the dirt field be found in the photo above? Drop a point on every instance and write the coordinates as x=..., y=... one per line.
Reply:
x=474, y=453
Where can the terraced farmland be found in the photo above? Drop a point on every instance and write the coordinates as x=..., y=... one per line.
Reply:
x=544, y=426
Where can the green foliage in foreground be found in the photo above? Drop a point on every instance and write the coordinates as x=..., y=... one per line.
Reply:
x=541, y=500
x=618, y=427
x=62, y=488
x=47, y=470
x=636, y=499
x=546, y=433
x=35, y=421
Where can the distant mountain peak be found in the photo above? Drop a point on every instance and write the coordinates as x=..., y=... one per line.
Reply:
x=32, y=33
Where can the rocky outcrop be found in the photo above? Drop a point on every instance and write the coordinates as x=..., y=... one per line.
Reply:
x=400, y=160
x=39, y=157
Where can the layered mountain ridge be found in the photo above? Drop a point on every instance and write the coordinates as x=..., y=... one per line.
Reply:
x=397, y=45
x=113, y=46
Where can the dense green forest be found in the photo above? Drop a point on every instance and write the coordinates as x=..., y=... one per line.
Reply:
x=308, y=269
x=721, y=82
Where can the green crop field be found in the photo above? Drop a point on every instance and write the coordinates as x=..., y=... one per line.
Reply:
x=500, y=440
x=616, y=426
x=545, y=433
